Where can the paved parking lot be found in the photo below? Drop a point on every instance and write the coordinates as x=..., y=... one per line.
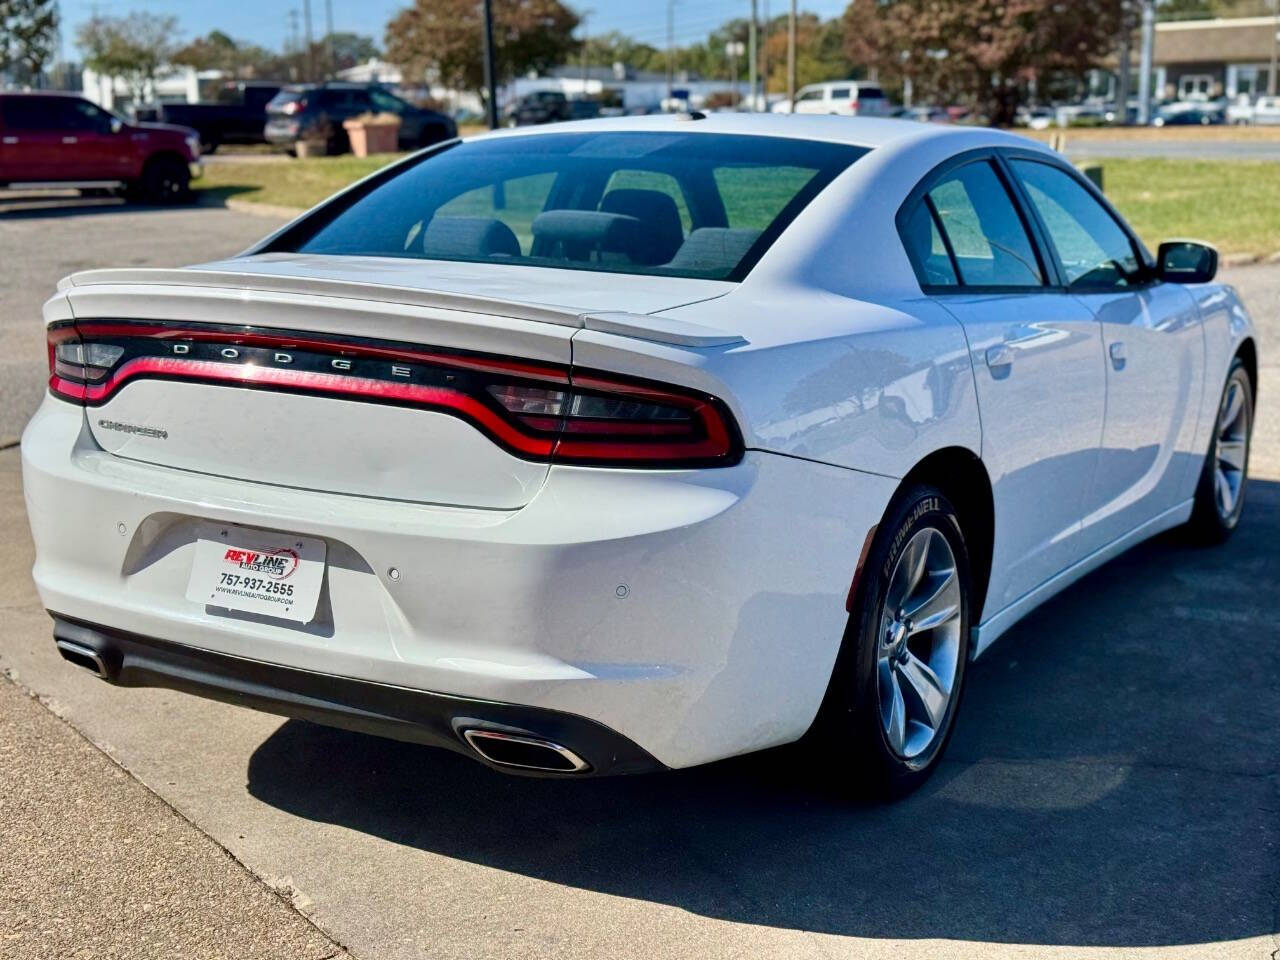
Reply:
x=1113, y=788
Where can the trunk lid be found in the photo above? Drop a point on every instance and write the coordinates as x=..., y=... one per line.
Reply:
x=373, y=380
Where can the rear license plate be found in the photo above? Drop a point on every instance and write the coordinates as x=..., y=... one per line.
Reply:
x=254, y=571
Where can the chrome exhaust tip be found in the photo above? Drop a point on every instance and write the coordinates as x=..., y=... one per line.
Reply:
x=523, y=753
x=82, y=656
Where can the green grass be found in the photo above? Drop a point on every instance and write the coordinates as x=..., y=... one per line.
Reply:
x=1233, y=204
x=285, y=183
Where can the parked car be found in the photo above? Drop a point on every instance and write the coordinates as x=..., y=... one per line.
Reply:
x=1035, y=118
x=541, y=106
x=316, y=112
x=1189, y=113
x=237, y=116
x=1265, y=111
x=848, y=98
x=578, y=453
x=56, y=138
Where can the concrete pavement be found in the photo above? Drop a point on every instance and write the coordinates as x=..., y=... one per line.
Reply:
x=1113, y=789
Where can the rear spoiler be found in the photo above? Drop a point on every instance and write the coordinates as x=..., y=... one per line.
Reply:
x=639, y=326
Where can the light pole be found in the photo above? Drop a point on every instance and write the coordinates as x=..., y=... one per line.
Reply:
x=1275, y=48
x=1144, y=61
x=753, y=54
x=671, y=47
x=791, y=56
x=490, y=67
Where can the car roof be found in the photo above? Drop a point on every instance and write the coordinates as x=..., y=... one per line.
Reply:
x=869, y=132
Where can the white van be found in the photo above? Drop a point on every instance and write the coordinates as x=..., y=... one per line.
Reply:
x=848, y=98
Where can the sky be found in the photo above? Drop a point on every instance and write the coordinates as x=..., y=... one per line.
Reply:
x=266, y=22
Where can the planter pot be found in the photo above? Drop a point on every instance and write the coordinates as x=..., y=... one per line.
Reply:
x=371, y=138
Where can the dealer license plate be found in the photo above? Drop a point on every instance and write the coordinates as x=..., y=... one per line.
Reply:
x=254, y=571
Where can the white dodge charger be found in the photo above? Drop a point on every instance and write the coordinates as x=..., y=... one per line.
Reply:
x=632, y=444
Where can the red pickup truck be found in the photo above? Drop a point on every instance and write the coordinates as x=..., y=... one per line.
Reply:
x=48, y=138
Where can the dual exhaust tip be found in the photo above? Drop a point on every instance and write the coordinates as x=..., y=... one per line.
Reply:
x=510, y=750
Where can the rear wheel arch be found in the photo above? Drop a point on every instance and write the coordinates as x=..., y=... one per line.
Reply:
x=1248, y=354
x=961, y=475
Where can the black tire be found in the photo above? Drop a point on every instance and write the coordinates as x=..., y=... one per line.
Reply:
x=1210, y=521
x=852, y=748
x=165, y=179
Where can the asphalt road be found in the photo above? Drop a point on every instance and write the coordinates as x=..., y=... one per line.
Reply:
x=1194, y=149
x=1113, y=788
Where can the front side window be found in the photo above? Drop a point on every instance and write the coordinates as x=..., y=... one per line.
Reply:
x=668, y=204
x=386, y=102
x=988, y=238
x=1095, y=252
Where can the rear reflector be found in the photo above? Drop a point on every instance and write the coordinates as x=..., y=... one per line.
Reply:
x=534, y=410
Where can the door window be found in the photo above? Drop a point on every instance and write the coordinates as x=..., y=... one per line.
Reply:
x=987, y=236
x=1094, y=250
x=810, y=95
x=384, y=101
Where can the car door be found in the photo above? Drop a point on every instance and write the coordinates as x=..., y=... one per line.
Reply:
x=1154, y=344
x=410, y=119
x=1037, y=362
x=96, y=140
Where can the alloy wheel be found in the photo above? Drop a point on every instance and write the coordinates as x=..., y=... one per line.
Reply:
x=1232, y=451
x=917, y=656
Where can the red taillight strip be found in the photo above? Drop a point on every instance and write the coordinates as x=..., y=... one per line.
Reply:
x=211, y=371
x=533, y=371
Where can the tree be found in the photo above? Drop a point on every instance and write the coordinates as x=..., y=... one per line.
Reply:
x=28, y=29
x=444, y=37
x=820, y=51
x=350, y=49
x=984, y=51
x=132, y=47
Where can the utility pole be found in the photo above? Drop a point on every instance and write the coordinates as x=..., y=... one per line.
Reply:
x=752, y=52
x=490, y=67
x=1144, y=61
x=1122, y=81
x=791, y=56
x=1275, y=48
x=306, y=26
x=582, y=18
x=671, y=47
x=331, y=66
x=764, y=59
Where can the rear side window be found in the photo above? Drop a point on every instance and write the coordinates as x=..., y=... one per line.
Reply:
x=668, y=204
x=985, y=232
x=927, y=249
x=28, y=113
x=840, y=93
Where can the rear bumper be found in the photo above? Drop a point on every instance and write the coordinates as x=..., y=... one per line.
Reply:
x=697, y=613
x=415, y=716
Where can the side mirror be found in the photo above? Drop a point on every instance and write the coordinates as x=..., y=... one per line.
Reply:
x=1185, y=261
x=116, y=125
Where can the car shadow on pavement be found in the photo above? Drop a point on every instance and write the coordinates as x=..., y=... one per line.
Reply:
x=35, y=205
x=1113, y=782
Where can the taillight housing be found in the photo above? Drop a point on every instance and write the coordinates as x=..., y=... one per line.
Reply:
x=294, y=106
x=535, y=410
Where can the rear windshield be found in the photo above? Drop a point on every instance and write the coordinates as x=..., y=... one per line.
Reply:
x=870, y=93
x=668, y=204
x=285, y=97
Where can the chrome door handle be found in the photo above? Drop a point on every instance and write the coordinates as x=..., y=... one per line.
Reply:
x=1000, y=355
x=10, y=140
x=68, y=139
x=1118, y=355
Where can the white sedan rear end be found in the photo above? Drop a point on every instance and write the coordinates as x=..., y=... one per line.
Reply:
x=632, y=444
